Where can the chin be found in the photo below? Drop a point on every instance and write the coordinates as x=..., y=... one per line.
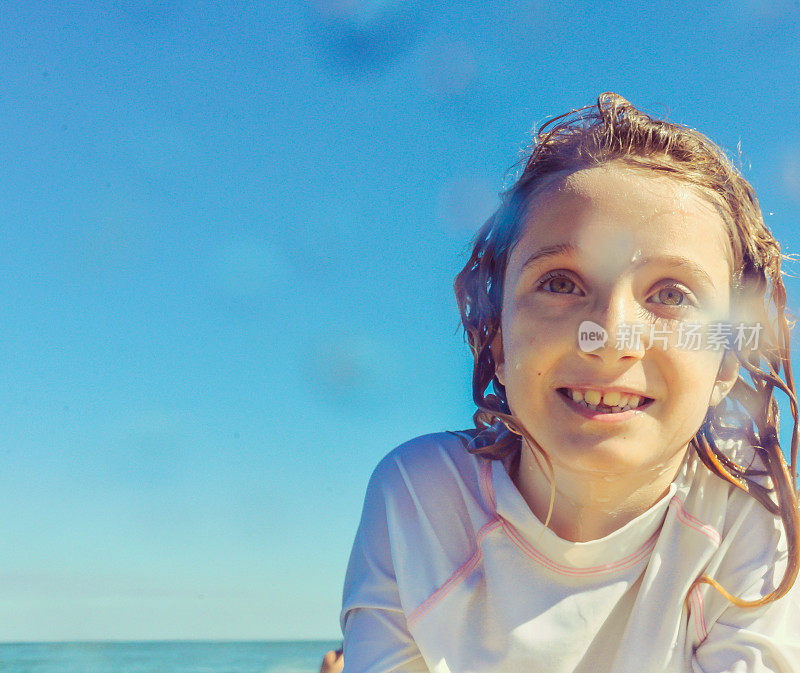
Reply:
x=607, y=456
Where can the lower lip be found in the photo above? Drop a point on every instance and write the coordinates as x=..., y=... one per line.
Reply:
x=603, y=417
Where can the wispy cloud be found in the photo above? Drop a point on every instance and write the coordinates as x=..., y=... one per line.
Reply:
x=357, y=37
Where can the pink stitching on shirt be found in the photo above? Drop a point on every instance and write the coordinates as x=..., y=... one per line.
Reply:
x=631, y=559
x=695, y=523
x=512, y=533
x=454, y=579
x=540, y=558
x=699, y=618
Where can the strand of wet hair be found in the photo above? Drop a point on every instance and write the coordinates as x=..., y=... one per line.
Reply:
x=767, y=418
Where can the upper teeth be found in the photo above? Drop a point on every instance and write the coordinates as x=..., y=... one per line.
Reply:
x=612, y=398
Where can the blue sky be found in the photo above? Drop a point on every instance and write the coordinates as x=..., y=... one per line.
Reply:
x=230, y=236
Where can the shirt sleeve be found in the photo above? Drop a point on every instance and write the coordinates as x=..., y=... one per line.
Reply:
x=376, y=636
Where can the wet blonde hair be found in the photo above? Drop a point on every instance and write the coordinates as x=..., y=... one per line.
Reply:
x=614, y=130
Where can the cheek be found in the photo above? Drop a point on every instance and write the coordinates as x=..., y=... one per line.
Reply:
x=531, y=349
x=692, y=375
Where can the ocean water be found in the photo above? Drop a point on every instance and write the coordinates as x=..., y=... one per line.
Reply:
x=302, y=656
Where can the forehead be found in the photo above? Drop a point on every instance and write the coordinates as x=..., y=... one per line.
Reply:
x=615, y=211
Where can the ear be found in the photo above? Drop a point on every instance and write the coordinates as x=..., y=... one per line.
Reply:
x=726, y=378
x=499, y=357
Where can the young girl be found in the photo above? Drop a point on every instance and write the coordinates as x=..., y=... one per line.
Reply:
x=622, y=503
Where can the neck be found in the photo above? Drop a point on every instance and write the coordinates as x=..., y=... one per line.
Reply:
x=592, y=505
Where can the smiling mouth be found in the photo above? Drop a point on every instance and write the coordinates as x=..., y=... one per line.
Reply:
x=622, y=402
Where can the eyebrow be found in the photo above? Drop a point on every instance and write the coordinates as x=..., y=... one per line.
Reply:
x=549, y=251
x=677, y=262
x=673, y=261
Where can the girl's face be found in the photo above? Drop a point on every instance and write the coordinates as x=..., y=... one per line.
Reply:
x=616, y=246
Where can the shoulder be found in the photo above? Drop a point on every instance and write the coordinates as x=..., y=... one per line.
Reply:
x=434, y=460
x=745, y=516
x=717, y=501
x=752, y=552
x=429, y=491
x=433, y=476
x=422, y=509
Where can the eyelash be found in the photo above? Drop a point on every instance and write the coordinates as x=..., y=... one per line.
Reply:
x=677, y=286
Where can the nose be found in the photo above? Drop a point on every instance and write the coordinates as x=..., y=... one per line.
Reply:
x=627, y=337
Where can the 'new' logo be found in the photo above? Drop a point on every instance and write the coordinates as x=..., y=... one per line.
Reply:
x=591, y=336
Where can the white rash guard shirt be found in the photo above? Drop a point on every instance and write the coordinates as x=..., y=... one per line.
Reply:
x=451, y=572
